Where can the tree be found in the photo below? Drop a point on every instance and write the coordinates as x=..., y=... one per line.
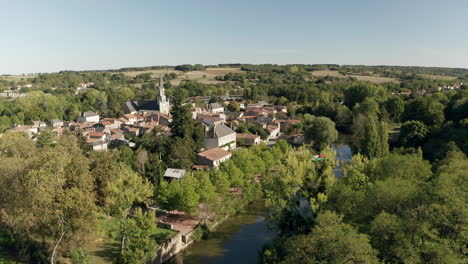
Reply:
x=181, y=154
x=331, y=241
x=426, y=110
x=45, y=138
x=367, y=107
x=374, y=142
x=395, y=107
x=233, y=106
x=321, y=132
x=49, y=197
x=360, y=91
x=136, y=233
x=178, y=195
x=413, y=133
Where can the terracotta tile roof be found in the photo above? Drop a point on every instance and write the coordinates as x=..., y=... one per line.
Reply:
x=107, y=123
x=129, y=116
x=214, y=154
x=96, y=134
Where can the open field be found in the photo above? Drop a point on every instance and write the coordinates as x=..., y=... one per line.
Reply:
x=206, y=76
x=439, y=77
x=328, y=73
x=155, y=73
x=16, y=78
x=372, y=79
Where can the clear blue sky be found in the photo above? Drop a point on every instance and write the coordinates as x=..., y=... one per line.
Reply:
x=53, y=35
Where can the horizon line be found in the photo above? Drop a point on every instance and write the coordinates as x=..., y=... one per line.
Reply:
x=227, y=64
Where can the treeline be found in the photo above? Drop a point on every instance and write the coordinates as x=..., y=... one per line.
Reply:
x=395, y=209
x=54, y=198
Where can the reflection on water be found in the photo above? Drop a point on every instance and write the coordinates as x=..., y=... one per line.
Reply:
x=237, y=240
x=343, y=154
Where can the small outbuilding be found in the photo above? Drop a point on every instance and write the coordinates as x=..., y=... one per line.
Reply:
x=174, y=174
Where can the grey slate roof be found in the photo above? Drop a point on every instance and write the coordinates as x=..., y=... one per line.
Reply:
x=222, y=130
x=138, y=105
x=216, y=105
x=89, y=114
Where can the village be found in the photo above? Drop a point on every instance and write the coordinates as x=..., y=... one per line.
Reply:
x=153, y=116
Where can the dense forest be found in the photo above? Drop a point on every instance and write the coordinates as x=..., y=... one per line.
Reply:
x=402, y=198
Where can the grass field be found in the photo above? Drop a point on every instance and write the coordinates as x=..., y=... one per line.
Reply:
x=438, y=77
x=328, y=73
x=372, y=79
x=206, y=76
x=16, y=78
x=104, y=250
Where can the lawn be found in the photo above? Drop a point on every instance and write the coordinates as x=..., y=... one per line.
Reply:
x=104, y=250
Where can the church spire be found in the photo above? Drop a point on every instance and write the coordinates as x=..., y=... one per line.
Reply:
x=162, y=101
x=161, y=85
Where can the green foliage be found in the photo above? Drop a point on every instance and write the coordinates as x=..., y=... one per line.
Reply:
x=426, y=110
x=395, y=106
x=321, y=132
x=45, y=138
x=374, y=142
x=136, y=235
x=330, y=241
x=359, y=92
x=188, y=67
x=179, y=195
x=413, y=133
x=233, y=106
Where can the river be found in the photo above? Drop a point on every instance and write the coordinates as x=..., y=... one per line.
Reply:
x=241, y=237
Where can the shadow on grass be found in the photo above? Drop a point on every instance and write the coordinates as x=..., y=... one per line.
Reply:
x=108, y=252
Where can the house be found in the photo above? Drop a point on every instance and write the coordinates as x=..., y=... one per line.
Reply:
x=174, y=174
x=89, y=116
x=259, y=104
x=220, y=136
x=162, y=119
x=29, y=130
x=58, y=131
x=273, y=130
x=213, y=157
x=39, y=124
x=98, y=135
x=131, y=119
x=215, y=108
x=212, y=121
x=56, y=123
x=160, y=105
x=286, y=124
x=132, y=131
x=247, y=139
x=97, y=144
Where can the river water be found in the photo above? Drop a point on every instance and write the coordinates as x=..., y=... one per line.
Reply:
x=240, y=238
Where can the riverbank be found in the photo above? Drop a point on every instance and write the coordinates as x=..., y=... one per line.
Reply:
x=235, y=239
x=184, y=239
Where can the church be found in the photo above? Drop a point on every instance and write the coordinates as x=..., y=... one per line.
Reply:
x=160, y=105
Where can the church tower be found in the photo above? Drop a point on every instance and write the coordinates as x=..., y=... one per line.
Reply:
x=163, y=102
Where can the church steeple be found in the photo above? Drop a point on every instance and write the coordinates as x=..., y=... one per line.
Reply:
x=163, y=103
x=161, y=86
